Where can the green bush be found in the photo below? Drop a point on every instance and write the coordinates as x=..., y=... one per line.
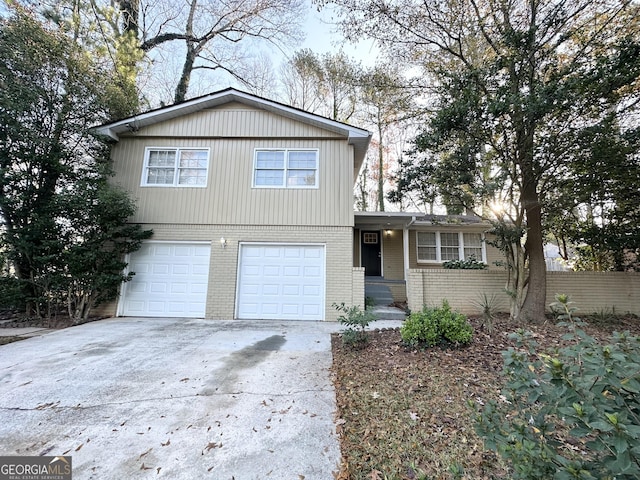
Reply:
x=356, y=320
x=573, y=413
x=11, y=295
x=433, y=326
x=470, y=263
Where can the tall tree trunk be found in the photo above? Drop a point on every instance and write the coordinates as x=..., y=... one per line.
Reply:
x=185, y=78
x=380, y=167
x=192, y=52
x=534, y=304
x=130, y=13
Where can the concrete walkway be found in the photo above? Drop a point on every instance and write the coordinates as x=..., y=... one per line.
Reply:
x=175, y=398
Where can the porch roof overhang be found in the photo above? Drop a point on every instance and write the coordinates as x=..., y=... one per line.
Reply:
x=398, y=220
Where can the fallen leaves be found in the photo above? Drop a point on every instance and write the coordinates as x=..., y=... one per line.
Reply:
x=404, y=413
x=211, y=445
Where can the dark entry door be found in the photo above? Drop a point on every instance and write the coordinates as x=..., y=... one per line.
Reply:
x=370, y=253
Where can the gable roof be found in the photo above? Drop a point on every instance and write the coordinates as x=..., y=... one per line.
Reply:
x=357, y=137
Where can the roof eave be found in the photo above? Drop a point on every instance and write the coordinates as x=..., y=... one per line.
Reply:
x=356, y=136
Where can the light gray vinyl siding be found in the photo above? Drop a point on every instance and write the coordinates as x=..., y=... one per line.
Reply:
x=235, y=120
x=229, y=197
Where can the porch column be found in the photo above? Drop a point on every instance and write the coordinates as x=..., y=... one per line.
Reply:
x=405, y=252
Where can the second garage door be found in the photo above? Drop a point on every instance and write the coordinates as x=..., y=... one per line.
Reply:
x=278, y=281
x=170, y=280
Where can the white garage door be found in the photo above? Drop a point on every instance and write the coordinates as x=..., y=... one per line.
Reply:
x=281, y=282
x=170, y=280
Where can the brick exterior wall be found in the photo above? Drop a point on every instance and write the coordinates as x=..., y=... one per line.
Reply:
x=398, y=291
x=357, y=297
x=221, y=295
x=590, y=291
x=392, y=255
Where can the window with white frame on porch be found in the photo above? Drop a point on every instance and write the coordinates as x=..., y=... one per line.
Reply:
x=437, y=247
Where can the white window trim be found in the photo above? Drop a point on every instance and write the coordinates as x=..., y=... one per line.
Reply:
x=175, y=183
x=286, y=151
x=439, y=260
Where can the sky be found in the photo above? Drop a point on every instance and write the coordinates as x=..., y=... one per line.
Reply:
x=322, y=37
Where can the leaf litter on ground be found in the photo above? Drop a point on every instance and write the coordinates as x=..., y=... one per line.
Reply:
x=407, y=413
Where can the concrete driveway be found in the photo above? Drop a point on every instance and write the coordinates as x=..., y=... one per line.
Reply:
x=174, y=398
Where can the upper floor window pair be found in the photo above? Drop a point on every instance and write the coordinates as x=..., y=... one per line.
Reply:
x=177, y=167
x=272, y=168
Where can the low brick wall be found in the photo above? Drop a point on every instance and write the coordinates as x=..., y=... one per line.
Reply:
x=590, y=291
x=357, y=297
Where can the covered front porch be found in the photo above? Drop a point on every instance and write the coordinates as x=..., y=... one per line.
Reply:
x=386, y=245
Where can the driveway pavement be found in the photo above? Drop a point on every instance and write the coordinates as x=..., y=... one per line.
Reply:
x=174, y=398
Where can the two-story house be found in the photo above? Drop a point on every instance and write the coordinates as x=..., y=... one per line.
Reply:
x=251, y=204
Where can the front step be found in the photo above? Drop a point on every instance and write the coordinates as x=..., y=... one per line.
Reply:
x=380, y=294
x=388, y=313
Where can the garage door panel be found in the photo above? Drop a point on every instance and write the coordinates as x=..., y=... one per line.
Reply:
x=156, y=307
x=156, y=287
x=293, y=252
x=271, y=290
x=310, y=310
x=160, y=269
x=250, y=309
x=200, y=270
x=311, y=290
x=313, y=253
x=196, y=308
x=179, y=287
x=136, y=307
x=183, y=251
x=137, y=287
x=272, y=252
x=290, y=289
x=203, y=253
x=169, y=280
x=290, y=309
x=198, y=288
x=293, y=271
x=310, y=272
x=270, y=308
x=139, y=267
x=281, y=281
x=251, y=290
x=161, y=251
x=250, y=270
x=180, y=269
x=271, y=271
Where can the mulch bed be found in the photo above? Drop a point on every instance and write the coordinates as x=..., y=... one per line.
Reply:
x=13, y=319
x=405, y=413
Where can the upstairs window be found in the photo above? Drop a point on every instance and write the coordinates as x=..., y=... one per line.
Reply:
x=175, y=167
x=286, y=169
x=437, y=247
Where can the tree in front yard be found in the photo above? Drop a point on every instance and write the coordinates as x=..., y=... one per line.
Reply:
x=511, y=89
x=54, y=195
x=96, y=241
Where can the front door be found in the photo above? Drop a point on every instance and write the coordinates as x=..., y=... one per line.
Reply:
x=371, y=253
